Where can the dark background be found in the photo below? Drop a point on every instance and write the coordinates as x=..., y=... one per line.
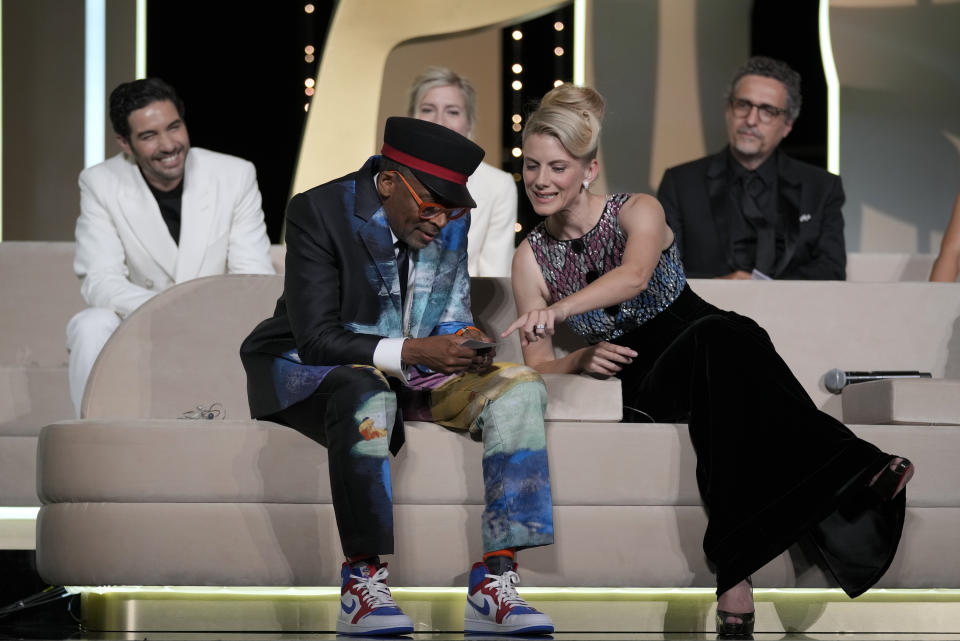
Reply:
x=240, y=66
x=789, y=31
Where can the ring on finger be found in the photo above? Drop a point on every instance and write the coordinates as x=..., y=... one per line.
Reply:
x=540, y=326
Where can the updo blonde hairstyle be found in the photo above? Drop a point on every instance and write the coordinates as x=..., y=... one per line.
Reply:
x=571, y=114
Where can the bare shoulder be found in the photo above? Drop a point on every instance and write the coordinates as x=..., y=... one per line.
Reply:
x=641, y=209
x=644, y=214
x=529, y=287
x=523, y=257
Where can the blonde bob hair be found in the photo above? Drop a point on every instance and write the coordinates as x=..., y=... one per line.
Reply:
x=433, y=77
x=571, y=114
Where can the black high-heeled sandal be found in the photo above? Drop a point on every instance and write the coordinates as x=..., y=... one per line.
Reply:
x=891, y=480
x=742, y=629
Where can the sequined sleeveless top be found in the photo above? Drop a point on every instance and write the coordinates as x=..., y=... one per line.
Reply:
x=570, y=265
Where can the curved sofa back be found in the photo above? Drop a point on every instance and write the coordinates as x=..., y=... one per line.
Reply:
x=181, y=348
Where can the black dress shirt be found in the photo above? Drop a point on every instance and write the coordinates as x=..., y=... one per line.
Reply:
x=745, y=228
x=169, y=202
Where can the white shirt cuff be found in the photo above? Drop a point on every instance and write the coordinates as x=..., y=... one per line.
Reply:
x=387, y=357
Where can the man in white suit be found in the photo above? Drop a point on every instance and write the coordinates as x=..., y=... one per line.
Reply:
x=157, y=214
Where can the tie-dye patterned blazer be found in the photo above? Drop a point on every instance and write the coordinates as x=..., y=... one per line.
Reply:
x=342, y=293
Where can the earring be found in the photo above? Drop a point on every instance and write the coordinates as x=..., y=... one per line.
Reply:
x=586, y=185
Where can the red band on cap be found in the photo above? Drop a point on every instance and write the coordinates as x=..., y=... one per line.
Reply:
x=423, y=165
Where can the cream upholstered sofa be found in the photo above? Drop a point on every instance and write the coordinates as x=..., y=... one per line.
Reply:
x=39, y=293
x=888, y=267
x=135, y=496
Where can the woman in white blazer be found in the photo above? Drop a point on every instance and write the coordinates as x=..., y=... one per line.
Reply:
x=444, y=97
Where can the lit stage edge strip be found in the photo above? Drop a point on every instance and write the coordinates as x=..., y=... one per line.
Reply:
x=833, y=89
x=263, y=609
x=18, y=513
x=579, y=41
x=94, y=90
x=141, y=39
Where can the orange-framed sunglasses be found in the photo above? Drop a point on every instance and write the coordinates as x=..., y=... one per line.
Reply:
x=430, y=210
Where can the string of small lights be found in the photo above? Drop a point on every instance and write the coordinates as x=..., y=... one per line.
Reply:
x=309, y=56
x=537, y=56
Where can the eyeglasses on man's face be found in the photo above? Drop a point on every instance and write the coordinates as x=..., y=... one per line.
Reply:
x=765, y=113
x=430, y=210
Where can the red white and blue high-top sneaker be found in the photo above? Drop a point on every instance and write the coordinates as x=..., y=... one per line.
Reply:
x=366, y=607
x=493, y=605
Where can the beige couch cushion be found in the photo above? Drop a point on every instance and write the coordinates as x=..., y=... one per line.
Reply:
x=818, y=326
x=888, y=267
x=297, y=544
x=18, y=470
x=247, y=503
x=278, y=256
x=582, y=398
x=31, y=397
x=906, y=401
x=40, y=294
x=169, y=460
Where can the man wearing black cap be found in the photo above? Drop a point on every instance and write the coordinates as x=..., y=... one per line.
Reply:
x=370, y=328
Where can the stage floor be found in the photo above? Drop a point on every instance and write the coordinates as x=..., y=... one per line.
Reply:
x=594, y=614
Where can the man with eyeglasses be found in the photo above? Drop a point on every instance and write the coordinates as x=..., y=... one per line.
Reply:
x=374, y=326
x=752, y=211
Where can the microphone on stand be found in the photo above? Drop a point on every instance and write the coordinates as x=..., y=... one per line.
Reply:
x=836, y=379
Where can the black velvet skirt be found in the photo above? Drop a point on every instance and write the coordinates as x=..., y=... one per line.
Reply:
x=772, y=469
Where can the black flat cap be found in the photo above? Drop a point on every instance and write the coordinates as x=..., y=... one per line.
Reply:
x=440, y=158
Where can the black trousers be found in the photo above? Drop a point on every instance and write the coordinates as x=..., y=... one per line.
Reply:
x=772, y=469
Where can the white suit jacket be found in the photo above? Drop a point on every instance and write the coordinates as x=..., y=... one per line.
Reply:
x=125, y=253
x=490, y=239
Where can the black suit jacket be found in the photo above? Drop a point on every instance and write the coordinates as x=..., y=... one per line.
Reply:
x=700, y=209
x=342, y=291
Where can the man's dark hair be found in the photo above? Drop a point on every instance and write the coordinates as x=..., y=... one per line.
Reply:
x=130, y=96
x=771, y=68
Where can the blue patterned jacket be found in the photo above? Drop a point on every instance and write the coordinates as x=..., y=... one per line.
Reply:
x=342, y=292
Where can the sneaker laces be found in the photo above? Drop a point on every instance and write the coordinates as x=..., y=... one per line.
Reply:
x=506, y=592
x=375, y=590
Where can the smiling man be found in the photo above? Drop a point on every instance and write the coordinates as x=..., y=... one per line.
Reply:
x=372, y=329
x=751, y=210
x=156, y=214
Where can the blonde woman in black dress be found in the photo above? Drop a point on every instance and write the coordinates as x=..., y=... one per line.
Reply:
x=771, y=467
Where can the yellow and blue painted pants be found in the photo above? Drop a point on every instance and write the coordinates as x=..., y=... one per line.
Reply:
x=353, y=412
